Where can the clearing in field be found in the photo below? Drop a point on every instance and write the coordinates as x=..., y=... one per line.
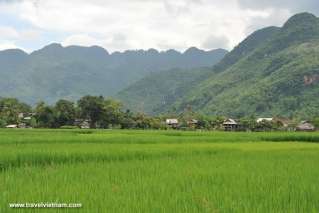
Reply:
x=160, y=171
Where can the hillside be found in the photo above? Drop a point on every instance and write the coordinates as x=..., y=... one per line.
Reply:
x=154, y=93
x=56, y=72
x=275, y=71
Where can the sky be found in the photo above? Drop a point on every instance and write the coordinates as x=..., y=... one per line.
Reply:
x=119, y=25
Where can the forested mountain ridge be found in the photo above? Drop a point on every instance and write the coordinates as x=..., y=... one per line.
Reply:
x=56, y=72
x=272, y=72
x=157, y=92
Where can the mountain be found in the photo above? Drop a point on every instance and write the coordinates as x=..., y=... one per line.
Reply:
x=274, y=71
x=56, y=72
x=155, y=92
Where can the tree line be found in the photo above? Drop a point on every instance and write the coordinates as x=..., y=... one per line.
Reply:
x=99, y=112
x=96, y=110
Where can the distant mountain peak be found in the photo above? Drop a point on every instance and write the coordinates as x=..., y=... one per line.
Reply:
x=152, y=51
x=99, y=49
x=193, y=50
x=171, y=52
x=301, y=19
x=14, y=52
x=221, y=50
x=53, y=46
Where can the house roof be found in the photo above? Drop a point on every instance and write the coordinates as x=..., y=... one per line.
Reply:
x=259, y=120
x=230, y=121
x=193, y=121
x=12, y=126
x=305, y=125
x=172, y=121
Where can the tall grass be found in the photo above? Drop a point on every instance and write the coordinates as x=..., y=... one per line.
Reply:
x=313, y=138
x=159, y=171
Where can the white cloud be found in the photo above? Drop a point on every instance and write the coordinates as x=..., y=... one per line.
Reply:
x=4, y=45
x=8, y=33
x=213, y=42
x=117, y=42
x=13, y=34
x=80, y=39
x=274, y=16
x=9, y=37
x=143, y=24
x=29, y=35
x=294, y=6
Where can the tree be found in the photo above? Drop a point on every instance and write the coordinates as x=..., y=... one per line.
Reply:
x=45, y=116
x=217, y=122
x=3, y=123
x=157, y=123
x=127, y=120
x=142, y=121
x=10, y=108
x=111, y=114
x=316, y=122
x=92, y=108
x=205, y=122
x=265, y=126
x=65, y=113
x=249, y=123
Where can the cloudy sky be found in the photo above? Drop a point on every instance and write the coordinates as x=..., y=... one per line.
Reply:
x=118, y=25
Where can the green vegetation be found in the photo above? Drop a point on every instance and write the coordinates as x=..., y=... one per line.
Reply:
x=55, y=72
x=273, y=72
x=10, y=109
x=159, y=171
x=96, y=112
x=155, y=92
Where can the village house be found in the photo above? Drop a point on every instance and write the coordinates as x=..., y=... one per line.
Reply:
x=260, y=120
x=230, y=125
x=25, y=116
x=20, y=115
x=172, y=122
x=83, y=124
x=28, y=118
x=22, y=125
x=305, y=126
x=285, y=122
x=12, y=126
x=25, y=120
x=192, y=123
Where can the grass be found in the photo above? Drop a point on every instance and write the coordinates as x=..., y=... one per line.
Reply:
x=159, y=171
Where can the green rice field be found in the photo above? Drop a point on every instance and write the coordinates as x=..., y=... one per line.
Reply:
x=159, y=171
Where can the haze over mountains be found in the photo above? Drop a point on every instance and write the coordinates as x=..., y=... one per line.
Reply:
x=57, y=72
x=275, y=71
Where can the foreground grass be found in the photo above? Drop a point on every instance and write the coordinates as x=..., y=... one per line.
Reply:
x=154, y=171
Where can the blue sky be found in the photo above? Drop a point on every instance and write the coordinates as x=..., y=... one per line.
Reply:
x=140, y=24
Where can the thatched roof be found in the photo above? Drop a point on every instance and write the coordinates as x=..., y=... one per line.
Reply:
x=305, y=126
x=259, y=120
x=172, y=121
x=12, y=126
x=230, y=121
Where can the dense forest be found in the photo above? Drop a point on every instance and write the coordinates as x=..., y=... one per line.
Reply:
x=273, y=72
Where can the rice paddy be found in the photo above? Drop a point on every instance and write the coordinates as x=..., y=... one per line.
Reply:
x=159, y=171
